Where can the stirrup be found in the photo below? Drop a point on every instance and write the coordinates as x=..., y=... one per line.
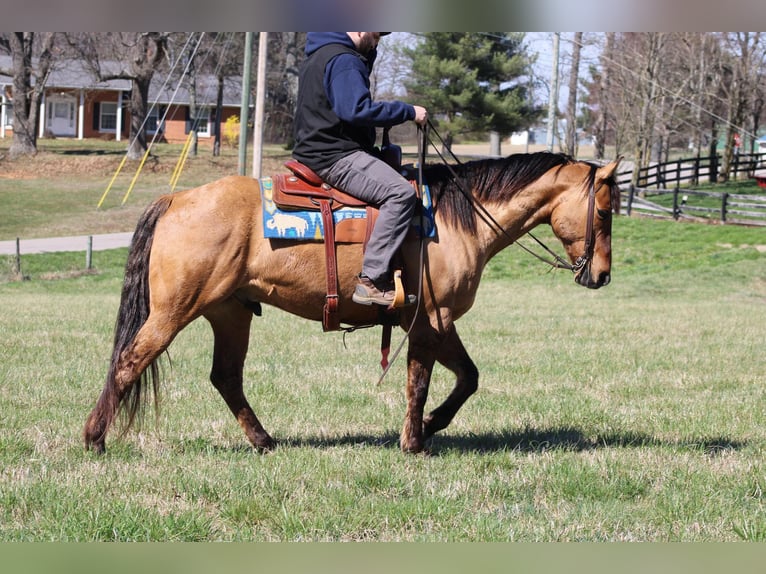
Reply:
x=401, y=299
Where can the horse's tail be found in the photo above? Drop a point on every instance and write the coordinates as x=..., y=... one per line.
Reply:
x=131, y=316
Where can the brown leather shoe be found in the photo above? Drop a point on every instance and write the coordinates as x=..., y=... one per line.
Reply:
x=367, y=293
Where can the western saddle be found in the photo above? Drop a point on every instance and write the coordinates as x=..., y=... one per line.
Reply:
x=303, y=189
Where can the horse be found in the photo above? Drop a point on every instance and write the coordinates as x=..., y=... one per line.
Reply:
x=202, y=253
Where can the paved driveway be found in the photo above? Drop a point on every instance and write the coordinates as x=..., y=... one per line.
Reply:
x=74, y=243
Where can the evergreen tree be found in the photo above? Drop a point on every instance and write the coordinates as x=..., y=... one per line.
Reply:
x=472, y=83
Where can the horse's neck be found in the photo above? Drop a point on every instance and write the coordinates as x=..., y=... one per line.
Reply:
x=511, y=220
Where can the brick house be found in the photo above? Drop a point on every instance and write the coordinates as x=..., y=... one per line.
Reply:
x=74, y=105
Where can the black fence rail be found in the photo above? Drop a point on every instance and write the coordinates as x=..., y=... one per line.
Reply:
x=690, y=204
x=694, y=171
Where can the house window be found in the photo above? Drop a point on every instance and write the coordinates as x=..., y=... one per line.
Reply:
x=152, y=120
x=202, y=121
x=108, y=117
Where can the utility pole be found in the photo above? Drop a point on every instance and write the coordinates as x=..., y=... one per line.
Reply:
x=260, y=97
x=554, y=95
x=245, y=103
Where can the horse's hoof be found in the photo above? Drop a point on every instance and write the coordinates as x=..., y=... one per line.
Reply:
x=97, y=447
x=411, y=447
x=265, y=445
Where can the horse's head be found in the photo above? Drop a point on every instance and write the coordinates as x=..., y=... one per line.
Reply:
x=582, y=220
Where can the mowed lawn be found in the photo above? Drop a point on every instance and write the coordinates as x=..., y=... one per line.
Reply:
x=632, y=413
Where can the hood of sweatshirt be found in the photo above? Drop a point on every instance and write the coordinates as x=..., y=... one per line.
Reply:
x=316, y=40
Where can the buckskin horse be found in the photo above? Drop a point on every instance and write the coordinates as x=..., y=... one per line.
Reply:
x=202, y=252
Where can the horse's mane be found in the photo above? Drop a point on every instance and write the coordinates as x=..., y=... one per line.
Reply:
x=486, y=180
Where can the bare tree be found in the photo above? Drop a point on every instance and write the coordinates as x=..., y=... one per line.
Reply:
x=132, y=56
x=32, y=59
x=602, y=87
x=746, y=51
x=570, y=142
x=286, y=53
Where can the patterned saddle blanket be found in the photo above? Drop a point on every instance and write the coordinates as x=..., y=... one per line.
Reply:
x=350, y=222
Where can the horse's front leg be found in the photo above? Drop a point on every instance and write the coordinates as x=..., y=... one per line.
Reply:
x=420, y=362
x=452, y=354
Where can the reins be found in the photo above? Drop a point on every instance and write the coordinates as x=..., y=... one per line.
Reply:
x=557, y=262
x=422, y=145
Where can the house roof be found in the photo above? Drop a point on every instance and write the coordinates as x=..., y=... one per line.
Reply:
x=73, y=74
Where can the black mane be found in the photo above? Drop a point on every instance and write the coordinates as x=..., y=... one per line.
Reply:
x=487, y=180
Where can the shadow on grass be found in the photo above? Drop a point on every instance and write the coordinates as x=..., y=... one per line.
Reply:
x=528, y=440
x=531, y=440
x=89, y=152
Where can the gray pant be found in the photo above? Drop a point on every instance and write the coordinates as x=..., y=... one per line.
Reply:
x=374, y=181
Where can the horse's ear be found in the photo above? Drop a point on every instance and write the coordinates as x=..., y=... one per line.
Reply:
x=609, y=170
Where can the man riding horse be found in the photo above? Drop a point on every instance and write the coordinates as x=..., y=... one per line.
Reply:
x=334, y=133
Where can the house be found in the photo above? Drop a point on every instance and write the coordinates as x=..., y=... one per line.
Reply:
x=75, y=105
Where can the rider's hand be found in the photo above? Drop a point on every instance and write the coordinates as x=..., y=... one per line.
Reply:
x=421, y=115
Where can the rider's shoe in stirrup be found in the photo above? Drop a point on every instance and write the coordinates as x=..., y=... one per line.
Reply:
x=367, y=293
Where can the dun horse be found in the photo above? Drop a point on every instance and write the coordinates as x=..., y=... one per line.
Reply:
x=202, y=252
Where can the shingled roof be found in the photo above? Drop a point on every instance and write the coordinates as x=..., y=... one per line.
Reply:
x=74, y=74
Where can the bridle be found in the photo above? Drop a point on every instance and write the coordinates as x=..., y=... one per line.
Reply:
x=587, y=255
x=557, y=262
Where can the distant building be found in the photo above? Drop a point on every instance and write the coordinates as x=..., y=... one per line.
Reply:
x=75, y=105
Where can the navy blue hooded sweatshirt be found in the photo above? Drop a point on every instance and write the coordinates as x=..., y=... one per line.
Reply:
x=335, y=113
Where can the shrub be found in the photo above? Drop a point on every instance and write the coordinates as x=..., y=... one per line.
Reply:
x=231, y=131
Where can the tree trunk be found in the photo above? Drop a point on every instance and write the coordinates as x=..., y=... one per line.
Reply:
x=146, y=55
x=648, y=89
x=571, y=135
x=27, y=94
x=603, y=107
x=218, y=113
x=139, y=95
x=292, y=64
x=494, y=144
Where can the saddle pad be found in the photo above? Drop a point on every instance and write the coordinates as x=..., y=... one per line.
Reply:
x=350, y=222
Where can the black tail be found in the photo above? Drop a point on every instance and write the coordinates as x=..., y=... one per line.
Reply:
x=132, y=314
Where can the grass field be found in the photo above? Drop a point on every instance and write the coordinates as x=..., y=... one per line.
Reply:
x=632, y=413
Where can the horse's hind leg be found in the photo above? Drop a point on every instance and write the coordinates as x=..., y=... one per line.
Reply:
x=231, y=328
x=125, y=379
x=452, y=354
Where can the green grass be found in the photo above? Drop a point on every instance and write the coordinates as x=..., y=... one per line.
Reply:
x=630, y=413
x=57, y=192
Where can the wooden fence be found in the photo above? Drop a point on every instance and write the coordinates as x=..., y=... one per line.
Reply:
x=694, y=171
x=658, y=193
x=690, y=204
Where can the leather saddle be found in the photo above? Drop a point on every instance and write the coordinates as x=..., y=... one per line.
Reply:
x=303, y=189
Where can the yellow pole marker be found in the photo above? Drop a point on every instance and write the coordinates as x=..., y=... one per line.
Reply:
x=116, y=173
x=179, y=163
x=135, y=177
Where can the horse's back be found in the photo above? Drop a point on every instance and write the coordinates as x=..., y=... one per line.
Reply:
x=202, y=243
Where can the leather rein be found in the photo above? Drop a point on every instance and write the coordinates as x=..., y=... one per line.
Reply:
x=557, y=262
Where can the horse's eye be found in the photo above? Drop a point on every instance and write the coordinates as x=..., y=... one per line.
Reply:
x=604, y=213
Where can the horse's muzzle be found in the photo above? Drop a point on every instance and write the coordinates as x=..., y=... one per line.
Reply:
x=586, y=279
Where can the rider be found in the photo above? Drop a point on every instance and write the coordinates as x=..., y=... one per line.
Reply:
x=334, y=131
